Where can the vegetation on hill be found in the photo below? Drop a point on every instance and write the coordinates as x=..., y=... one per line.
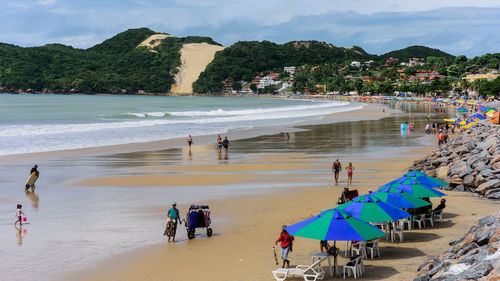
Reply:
x=243, y=60
x=115, y=65
x=416, y=52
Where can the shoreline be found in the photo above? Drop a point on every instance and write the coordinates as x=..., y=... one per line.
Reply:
x=370, y=112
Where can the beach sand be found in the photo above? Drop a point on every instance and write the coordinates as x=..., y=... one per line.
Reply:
x=241, y=248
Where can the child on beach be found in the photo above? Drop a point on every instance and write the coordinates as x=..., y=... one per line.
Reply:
x=19, y=215
x=349, y=169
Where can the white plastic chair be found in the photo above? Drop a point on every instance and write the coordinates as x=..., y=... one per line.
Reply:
x=352, y=266
x=429, y=218
x=406, y=222
x=439, y=214
x=373, y=248
x=419, y=220
x=305, y=271
x=360, y=249
x=397, y=229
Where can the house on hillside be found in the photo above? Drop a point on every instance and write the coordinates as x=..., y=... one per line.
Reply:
x=289, y=69
x=271, y=79
x=425, y=75
x=285, y=86
x=413, y=62
x=389, y=61
x=356, y=63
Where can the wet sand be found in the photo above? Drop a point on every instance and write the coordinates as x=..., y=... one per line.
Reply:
x=98, y=214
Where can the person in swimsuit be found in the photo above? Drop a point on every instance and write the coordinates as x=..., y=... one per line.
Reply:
x=336, y=168
x=190, y=141
x=219, y=143
x=349, y=169
x=225, y=143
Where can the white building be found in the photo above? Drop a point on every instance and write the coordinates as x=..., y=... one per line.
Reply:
x=267, y=81
x=285, y=86
x=356, y=63
x=289, y=69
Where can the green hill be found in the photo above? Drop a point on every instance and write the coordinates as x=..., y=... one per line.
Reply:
x=416, y=52
x=243, y=60
x=114, y=65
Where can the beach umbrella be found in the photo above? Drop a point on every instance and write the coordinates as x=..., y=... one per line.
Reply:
x=372, y=209
x=413, y=187
x=421, y=178
x=335, y=225
x=482, y=108
x=461, y=109
x=478, y=116
x=400, y=199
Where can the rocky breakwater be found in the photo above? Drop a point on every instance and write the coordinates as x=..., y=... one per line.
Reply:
x=469, y=162
x=474, y=256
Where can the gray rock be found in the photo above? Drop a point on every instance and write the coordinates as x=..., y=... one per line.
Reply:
x=493, y=195
x=491, y=184
x=469, y=180
x=465, y=172
x=460, y=187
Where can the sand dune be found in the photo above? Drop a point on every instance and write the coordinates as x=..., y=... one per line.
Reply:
x=194, y=57
x=154, y=40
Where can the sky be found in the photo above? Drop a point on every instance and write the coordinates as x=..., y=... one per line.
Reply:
x=458, y=27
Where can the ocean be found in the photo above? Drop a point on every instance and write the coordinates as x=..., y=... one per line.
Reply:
x=39, y=123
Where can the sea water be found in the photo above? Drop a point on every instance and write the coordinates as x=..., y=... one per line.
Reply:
x=37, y=123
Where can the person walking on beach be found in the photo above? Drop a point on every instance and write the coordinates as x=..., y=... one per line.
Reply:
x=219, y=143
x=349, y=169
x=286, y=245
x=336, y=168
x=225, y=144
x=19, y=215
x=190, y=141
x=440, y=138
x=173, y=217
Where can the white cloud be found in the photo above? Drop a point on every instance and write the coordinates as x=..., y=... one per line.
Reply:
x=46, y=2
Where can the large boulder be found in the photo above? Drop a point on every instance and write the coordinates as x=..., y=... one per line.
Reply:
x=442, y=172
x=491, y=184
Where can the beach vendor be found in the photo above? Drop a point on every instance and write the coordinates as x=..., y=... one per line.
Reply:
x=173, y=217
x=336, y=168
x=286, y=245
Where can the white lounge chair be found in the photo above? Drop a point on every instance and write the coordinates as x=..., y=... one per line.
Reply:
x=308, y=272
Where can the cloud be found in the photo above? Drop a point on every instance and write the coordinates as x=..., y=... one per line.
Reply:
x=450, y=25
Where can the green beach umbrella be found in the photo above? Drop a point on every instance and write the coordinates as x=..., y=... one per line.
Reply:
x=412, y=187
x=371, y=209
x=334, y=225
x=421, y=178
x=400, y=199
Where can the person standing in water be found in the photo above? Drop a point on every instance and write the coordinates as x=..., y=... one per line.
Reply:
x=219, y=143
x=225, y=144
x=19, y=215
x=349, y=169
x=336, y=168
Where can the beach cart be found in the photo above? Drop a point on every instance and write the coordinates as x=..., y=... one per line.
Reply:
x=198, y=216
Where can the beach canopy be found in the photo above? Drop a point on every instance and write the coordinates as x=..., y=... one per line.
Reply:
x=335, y=225
x=461, y=109
x=421, y=178
x=400, y=199
x=371, y=209
x=413, y=187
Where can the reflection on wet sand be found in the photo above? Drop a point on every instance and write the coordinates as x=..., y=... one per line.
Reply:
x=33, y=197
x=21, y=234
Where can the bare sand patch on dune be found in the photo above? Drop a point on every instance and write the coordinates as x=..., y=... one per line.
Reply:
x=194, y=58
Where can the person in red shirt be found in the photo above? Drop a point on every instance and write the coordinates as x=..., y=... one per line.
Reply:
x=286, y=245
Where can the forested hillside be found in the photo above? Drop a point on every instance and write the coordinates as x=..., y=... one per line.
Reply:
x=416, y=52
x=115, y=65
x=243, y=60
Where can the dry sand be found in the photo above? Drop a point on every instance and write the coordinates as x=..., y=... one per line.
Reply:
x=242, y=243
x=154, y=40
x=194, y=57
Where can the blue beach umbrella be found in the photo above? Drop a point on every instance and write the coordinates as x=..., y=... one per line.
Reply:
x=372, y=209
x=421, y=178
x=334, y=225
x=400, y=199
x=413, y=187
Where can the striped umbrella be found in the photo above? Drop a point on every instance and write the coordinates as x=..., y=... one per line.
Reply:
x=372, y=209
x=334, y=225
x=413, y=187
x=400, y=199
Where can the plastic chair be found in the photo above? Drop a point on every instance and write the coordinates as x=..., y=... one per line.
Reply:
x=398, y=229
x=407, y=222
x=439, y=214
x=429, y=218
x=419, y=220
x=352, y=266
x=373, y=248
x=360, y=249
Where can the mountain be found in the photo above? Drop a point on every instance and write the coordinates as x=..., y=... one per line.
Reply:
x=117, y=65
x=416, y=52
x=244, y=59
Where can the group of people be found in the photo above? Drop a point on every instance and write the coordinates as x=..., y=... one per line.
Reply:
x=337, y=168
x=221, y=143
